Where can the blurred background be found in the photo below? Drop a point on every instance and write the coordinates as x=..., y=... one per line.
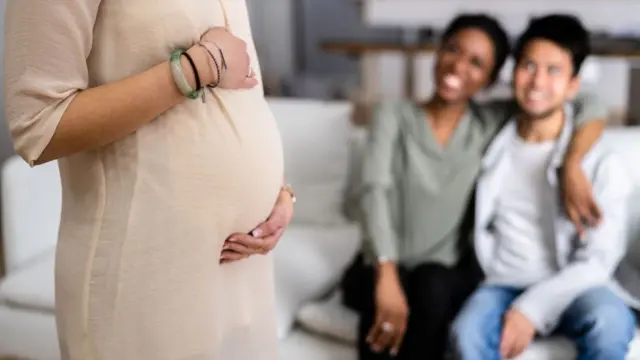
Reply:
x=324, y=62
x=364, y=50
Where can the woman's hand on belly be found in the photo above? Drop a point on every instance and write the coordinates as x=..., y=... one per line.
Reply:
x=264, y=237
x=231, y=58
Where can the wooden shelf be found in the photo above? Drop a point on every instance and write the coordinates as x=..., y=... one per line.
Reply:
x=356, y=48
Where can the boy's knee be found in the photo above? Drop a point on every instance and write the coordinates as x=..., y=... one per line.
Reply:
x=610, y=325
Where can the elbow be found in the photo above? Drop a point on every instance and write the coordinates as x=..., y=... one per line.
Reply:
x=30, y=147
x=33, y=135
x=33, y=117
x=30, y=155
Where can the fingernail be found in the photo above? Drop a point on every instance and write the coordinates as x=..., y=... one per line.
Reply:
x=226, y=247
x=256, y=233
x=232, y=239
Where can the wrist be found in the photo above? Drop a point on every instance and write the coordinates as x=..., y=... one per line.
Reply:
x=573, y=156
x=387, y=269
x=286, y=192
x=215, y=62
x=571, y=163
x=203, y=65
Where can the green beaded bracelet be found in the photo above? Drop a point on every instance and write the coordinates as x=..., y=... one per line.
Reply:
x=179, y=78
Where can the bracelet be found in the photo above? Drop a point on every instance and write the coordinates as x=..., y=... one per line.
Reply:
x=215, y=61
x=224, y=62
x=195, y=69
x=179, y=78
x=289, y=189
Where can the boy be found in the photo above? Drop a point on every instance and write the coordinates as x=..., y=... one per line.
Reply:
x=539, y=276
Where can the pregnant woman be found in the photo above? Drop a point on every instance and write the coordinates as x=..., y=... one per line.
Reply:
x=159, y=173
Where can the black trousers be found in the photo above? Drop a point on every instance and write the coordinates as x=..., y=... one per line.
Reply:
x=435, y=294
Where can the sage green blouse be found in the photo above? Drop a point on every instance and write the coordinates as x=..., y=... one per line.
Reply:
x=415, y=193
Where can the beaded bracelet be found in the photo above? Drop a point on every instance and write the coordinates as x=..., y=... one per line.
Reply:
x=180, y=79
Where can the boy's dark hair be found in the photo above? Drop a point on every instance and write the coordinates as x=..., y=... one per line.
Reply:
x=489, y=26
x=563, y=30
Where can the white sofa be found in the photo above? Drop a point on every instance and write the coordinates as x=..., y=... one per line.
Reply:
x=320, y=147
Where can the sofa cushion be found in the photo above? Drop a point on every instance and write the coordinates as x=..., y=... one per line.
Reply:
x=315, y=138
x=32, y=285
x=319, y=203
x=634, y=225
x=309, y=262
x=624, y=141
x=302, y=345
x=330, y=318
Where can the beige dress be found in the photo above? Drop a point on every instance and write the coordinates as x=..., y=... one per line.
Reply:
x=144, y=219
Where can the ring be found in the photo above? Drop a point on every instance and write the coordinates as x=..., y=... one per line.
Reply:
x=387, y=327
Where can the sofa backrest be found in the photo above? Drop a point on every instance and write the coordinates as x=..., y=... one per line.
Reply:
x=315, y=136
x=626, y=142
x=31, y=201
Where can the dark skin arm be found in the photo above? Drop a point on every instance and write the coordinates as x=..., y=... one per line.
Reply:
x=576, y=188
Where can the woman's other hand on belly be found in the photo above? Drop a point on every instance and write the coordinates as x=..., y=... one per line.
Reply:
x=264, y=237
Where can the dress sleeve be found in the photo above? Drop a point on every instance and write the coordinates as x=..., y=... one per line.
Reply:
x=45, y=65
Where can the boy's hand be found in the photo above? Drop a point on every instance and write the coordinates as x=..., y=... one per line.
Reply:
x=517, y=334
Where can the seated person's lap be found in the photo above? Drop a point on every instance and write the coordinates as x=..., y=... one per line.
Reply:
x=598, y=317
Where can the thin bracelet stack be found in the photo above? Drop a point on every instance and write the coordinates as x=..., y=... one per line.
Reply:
x=178, y=73
x=220, y=68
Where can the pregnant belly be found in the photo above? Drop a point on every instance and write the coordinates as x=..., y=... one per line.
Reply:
x=225, y=164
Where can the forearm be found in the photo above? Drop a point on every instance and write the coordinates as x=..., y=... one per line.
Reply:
x=590, y=119
x=544, y=303
x=104, y=114
x=584, y=138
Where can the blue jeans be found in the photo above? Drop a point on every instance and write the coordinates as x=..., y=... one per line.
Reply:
x=598, y=321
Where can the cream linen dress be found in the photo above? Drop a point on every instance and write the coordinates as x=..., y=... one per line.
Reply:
x=144, y=219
